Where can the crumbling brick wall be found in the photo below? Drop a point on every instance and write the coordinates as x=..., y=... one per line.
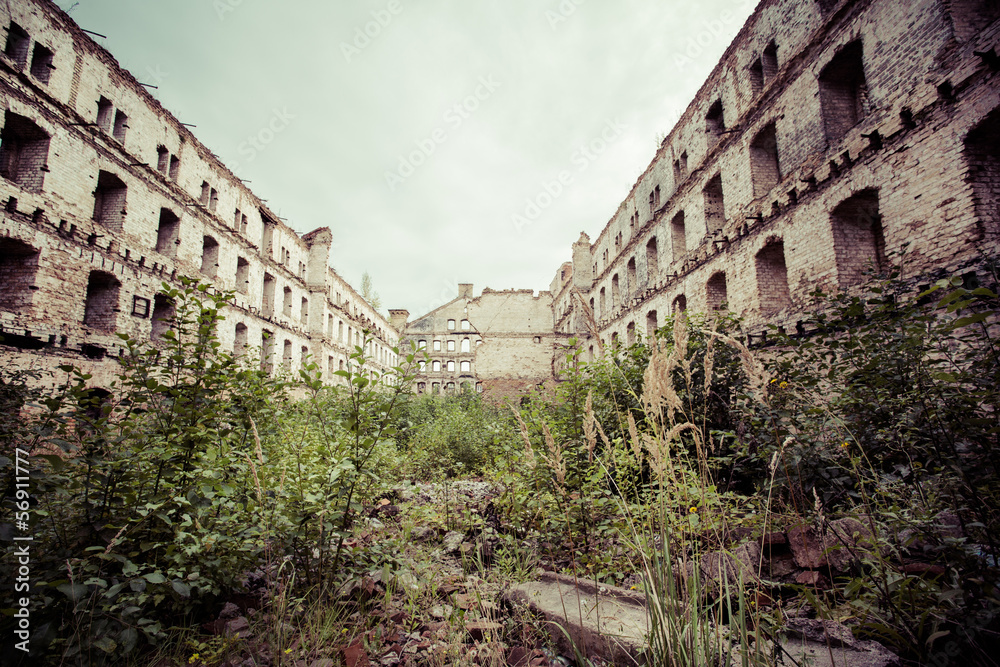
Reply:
x=106, y=195
x=830, y=138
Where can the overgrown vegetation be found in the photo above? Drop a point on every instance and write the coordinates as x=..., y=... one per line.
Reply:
x=197, y=479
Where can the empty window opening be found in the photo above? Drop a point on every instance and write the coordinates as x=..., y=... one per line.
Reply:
x=213, y=200
x=982, y=151
x=175, y=167
x=652, y=260
x=436, y=366
x=340, y=332
x=240, y=340
x=451, y=366
x=764, y=167
x=304, y=356
x=18, y=42
x=437, y=346
x=632, y=277
x=206, y=190
x=654, y=202
x=680, y=169
x=968, y=17
x=24, y=150
x=718, y=297
x=140, y=306
x=163, y=317
x=466, y=366
x=769, y=61
x=858, y=239
x=616, y=294
x=604, y=305
x=678, y=236
x=267, y=238
x=714, y=123
x=451, y=325
x=168, y=233
x=630, y=333
x=41, y=63
x=614, y=339
x=764, y=68
x=286, y=304
x=267, y=298
x=101, y=308
x=651, y=323
x=286, y=357
x=715, y=205
x=843, y=93
x=465, y=325
x=162, y=159
x=109, y=201
x=466, y=345
x=451, y=346
x=121, y=125
x=104, y=115
x=329, y=327
x=421, y=344
x=756, y=76
x=242, y=275
x=679, y=305
x=18, y=266
x=772, y=277
x=267, y=350
x=305, y=310
x=209, y=257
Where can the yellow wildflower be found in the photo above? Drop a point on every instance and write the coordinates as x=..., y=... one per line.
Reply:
x=693, y=509
x=783, y=385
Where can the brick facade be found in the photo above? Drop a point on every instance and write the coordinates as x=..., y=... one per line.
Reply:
x=831, y=136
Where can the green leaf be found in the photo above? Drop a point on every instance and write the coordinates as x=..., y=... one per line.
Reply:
x=181, y=588
x=106, y=644
x=73, y=591
x=154, y=578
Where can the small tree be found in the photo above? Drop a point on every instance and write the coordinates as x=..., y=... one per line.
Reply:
x=368, y=292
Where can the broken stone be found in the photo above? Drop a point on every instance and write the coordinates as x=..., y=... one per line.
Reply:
x=480, y=630
x=422, y=534
x=452, y=541
x=237, y=625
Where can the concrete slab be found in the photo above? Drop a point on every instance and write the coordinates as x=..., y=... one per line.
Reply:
x=611, y=623
x=603, y=621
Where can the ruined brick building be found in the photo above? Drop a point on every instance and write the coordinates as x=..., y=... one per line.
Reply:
x=106, y=195
x=831, y=136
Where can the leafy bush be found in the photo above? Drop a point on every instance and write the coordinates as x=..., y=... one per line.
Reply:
x=156, y=497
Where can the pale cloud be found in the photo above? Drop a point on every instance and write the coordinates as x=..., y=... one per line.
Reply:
x=349, y=107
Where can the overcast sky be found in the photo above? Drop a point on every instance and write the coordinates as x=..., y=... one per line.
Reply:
x=418, y=130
